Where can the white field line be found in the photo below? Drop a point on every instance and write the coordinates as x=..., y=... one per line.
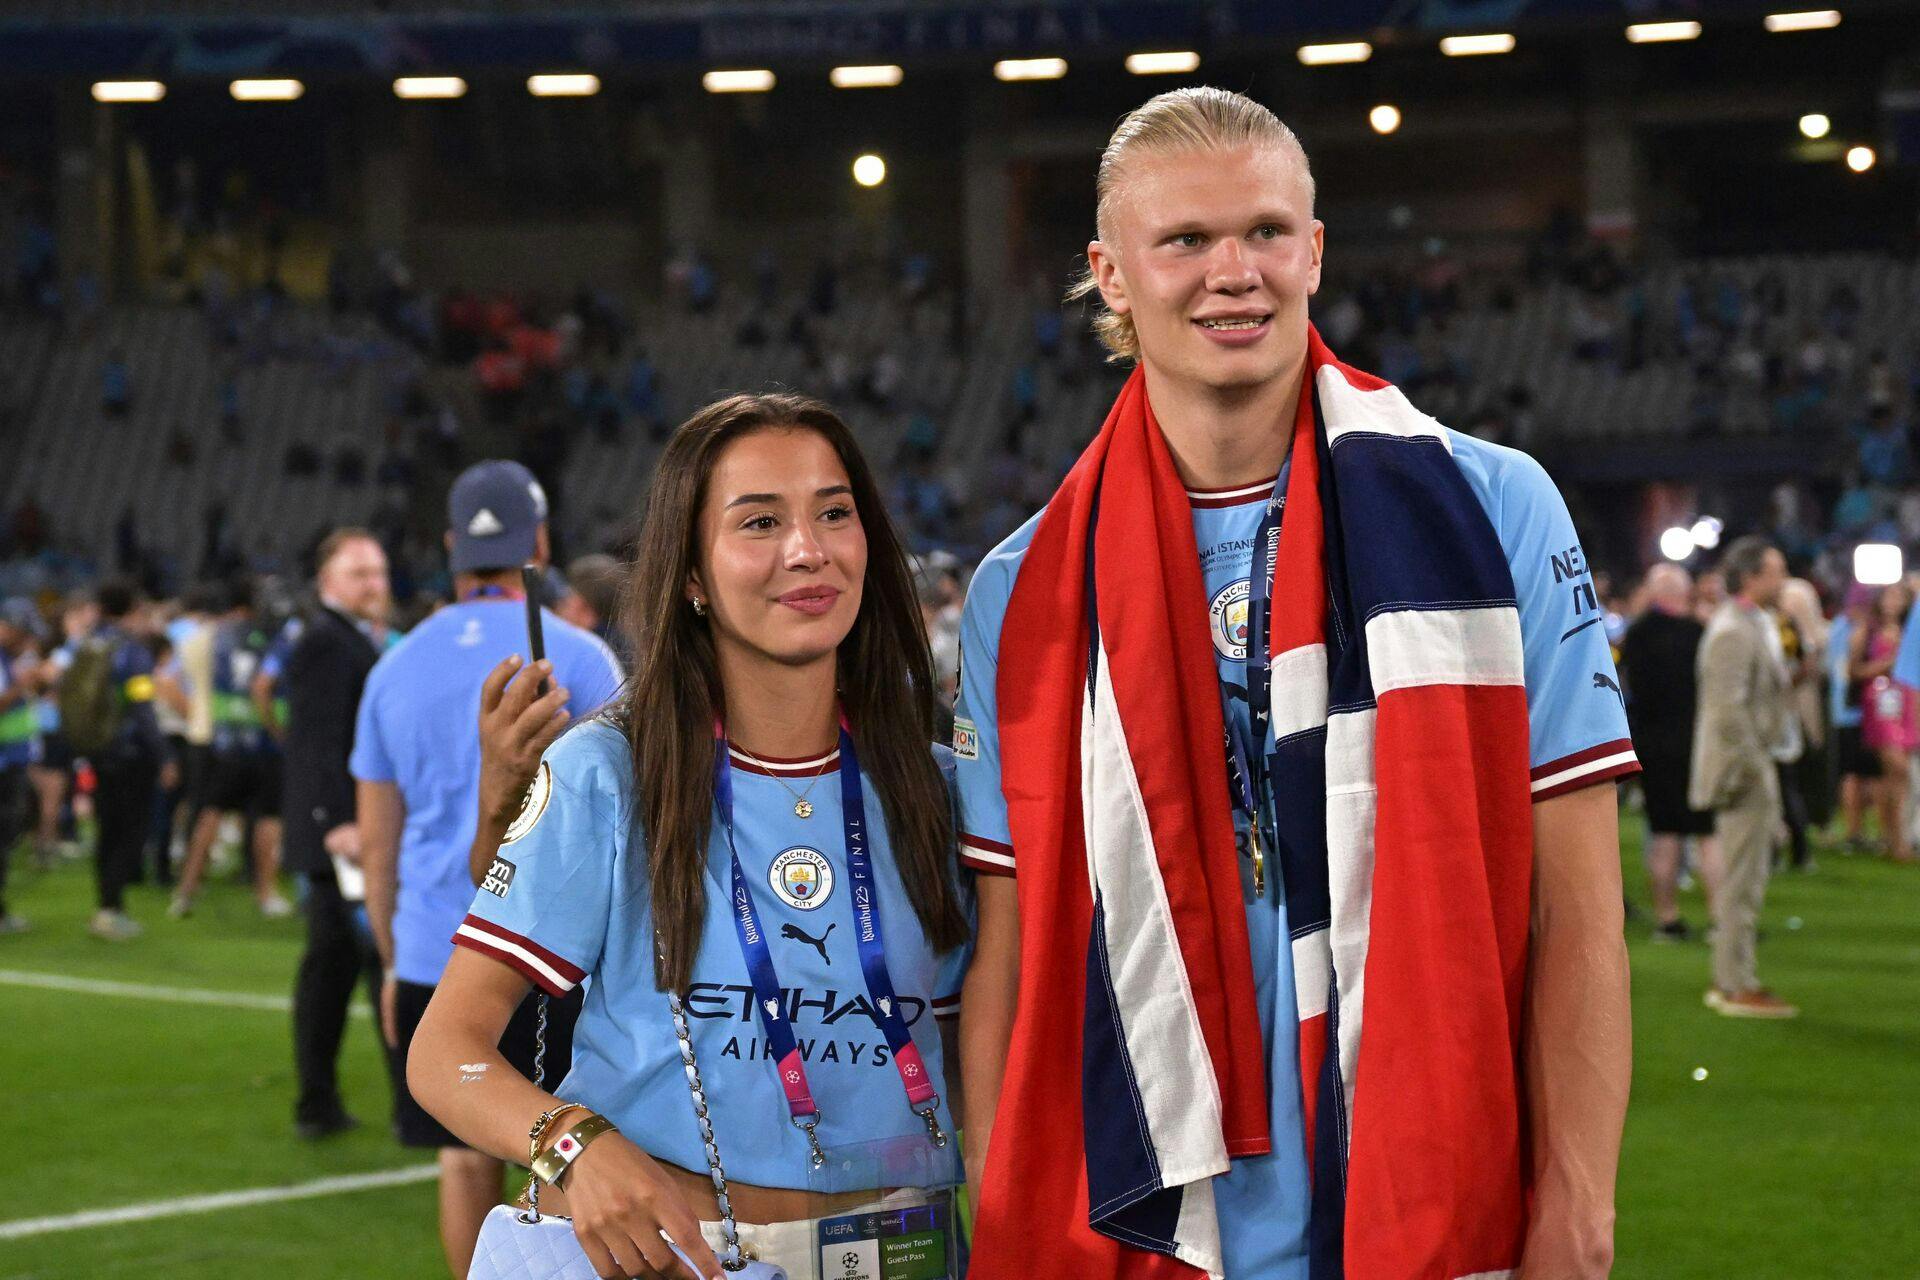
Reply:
x=23, y=1227
x=142, y=991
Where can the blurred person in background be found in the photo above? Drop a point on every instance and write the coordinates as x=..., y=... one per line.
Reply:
x=1657, y=669
x=170, y=708
x=593, y=596
x=1856, y=769
x=193, y=634
x=1889, y=727
x=323, y=674
x=1709, y=593
x=244, y=771
x=106, y=713
x=1805, y=790
x=1743, y=706
x=416, y=765
x=20, y=678
x=53, y=776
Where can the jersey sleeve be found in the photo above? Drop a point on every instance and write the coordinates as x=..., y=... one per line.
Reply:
x=985, y=842
x=370, y=761
x=1577, y=718
x=542, y=908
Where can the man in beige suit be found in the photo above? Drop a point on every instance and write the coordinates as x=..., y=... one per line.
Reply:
x=1742, y=715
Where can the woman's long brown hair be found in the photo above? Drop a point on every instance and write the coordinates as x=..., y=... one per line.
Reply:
x=884, y=670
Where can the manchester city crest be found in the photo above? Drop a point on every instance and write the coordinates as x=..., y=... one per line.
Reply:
x=533, y=805
x=802, y=877
x=1228, y=618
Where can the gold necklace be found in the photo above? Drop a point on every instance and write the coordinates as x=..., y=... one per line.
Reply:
x=802, y=807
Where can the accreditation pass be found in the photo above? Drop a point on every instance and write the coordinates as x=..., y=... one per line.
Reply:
x=895, y=1244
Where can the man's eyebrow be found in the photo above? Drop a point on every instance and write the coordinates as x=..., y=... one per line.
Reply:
x=748, y=499
x=1185, y=225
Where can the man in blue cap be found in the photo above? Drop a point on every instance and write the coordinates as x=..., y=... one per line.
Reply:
x=416, y=762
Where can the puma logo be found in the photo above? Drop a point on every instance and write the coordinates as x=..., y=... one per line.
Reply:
x=819, y=944
x=1603, y=681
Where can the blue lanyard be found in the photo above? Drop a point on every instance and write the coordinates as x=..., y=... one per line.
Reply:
x=1247, y=755
x=768, y=999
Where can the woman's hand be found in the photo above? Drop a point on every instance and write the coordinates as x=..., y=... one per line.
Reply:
x=516, y=728
x=621, y=1200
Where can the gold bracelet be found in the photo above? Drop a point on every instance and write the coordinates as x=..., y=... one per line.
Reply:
x=544, y=1123
x=552, y=1164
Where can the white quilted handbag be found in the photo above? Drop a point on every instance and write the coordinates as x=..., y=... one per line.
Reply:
x=517, y=1244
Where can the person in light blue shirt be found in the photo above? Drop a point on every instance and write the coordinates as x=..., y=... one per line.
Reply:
x=756, y=839
x=1577, y=729
x=416, y=765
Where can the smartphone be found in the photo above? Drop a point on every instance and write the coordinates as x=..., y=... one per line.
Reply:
x=530, y=582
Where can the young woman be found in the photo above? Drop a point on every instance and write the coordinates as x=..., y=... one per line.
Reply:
x=1889, y=726
x=754, y=842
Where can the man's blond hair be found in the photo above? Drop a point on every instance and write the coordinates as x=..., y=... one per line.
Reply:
x=1193, y=119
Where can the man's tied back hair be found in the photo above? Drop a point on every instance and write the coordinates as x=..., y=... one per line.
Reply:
x=1200, y=118
x=1744, y=559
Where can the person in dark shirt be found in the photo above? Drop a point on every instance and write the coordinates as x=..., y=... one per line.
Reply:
x=127, y=768
x=1657, y=669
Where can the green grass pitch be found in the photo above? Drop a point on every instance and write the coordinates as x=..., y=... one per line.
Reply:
x=1797, y=1156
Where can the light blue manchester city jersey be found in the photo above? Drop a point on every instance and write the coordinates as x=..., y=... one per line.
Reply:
x=567, y=903
x=419, y=728
x=1578, y=732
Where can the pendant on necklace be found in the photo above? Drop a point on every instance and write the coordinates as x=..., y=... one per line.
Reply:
x=803, y=808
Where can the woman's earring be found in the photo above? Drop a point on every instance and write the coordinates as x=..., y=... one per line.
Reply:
x=700, y=606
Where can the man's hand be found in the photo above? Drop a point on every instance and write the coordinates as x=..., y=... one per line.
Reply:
x=516, y=728
x=343, y=842
x=169, y=775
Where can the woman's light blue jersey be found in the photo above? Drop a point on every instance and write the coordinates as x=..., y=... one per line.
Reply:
x=567, y=902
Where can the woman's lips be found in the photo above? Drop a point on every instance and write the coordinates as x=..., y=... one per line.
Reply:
x=813, y=601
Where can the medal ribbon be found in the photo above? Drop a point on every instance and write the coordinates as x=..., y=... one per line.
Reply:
x=1247, y=760
x=768, y=997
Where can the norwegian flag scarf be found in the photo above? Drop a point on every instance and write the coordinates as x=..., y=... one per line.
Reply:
x=1136, y=1070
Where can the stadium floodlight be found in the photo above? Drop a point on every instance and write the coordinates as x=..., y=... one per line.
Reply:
x=747, y=80
x=1706, y=532
x=128, y=91
x=1661, y=32
x=1328, y=55
x=881, y=77
x=266, y=90
x=1384, y=118
x=1815, y=125
x=1809, y=20
x=869, y=170
x=1473, y=46
x=1676, y=543
x=1030, y=69
x=563, y=84
x=1163, y=64
x=417, y=87
x=1860, y=159
x=1878, y=564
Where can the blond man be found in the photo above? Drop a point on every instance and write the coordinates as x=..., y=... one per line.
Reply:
x=1279, y=731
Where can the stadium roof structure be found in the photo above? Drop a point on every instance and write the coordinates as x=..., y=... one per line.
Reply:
x=233, y=37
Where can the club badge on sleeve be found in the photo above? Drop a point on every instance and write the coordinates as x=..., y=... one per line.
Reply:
x=802, y=877
x=532, y=805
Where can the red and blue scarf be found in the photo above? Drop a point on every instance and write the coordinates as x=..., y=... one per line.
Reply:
x=1136, y=1071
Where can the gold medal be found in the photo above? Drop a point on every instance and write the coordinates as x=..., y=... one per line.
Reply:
x=803, y=808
